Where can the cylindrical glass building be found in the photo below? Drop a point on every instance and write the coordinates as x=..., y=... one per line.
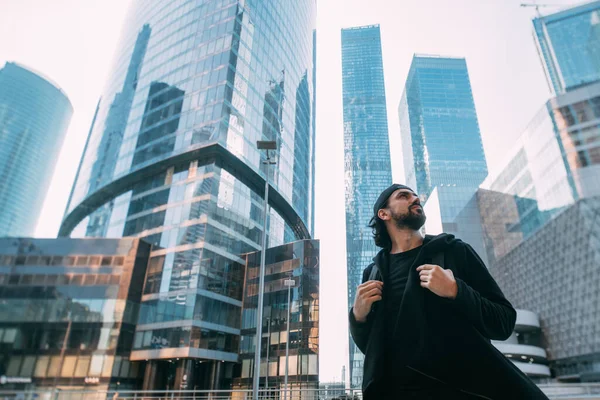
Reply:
x=171, y=158
x=34, y=117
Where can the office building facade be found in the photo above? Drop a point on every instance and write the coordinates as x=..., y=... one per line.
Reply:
x=172, y=158
x=560, y=283
x=441, y=142
x=554, y=163
x=366, y=155
x=568, y=43
x=34, y=116
x=68, y=312
x=539, y=210
x=297, y=261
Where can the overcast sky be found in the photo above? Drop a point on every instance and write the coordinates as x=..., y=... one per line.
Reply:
x=73, y=42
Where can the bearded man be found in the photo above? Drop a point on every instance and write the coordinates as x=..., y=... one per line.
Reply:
x=426, y=312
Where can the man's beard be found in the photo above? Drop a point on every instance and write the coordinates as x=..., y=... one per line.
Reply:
x=411, y=220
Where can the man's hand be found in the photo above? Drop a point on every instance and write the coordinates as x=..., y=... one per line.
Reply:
x=367, y=294
x=438, y=280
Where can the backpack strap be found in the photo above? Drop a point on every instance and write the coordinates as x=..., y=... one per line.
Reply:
x=373, y=276
x=438, y=259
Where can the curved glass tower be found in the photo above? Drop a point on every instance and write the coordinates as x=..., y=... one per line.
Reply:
x=34, y=117
x=171, y=158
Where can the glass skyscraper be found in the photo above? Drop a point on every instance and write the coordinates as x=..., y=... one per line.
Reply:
x=441, y=141
x=554, y=164
x=568, y=43
x=34, y=117
x=172, y=158
x=367, y=155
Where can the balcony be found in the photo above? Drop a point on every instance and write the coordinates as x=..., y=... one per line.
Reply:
x=533, y=370
x=521, y=351
x=526, y=321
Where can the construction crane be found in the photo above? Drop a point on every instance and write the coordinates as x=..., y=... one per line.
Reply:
x=537, y=6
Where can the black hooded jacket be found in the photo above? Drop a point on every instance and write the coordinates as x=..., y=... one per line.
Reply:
x=445, y=339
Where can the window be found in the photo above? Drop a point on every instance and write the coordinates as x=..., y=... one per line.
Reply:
x=57, y=260
x=95, y=260
x=263, y=368
x=41, y=366
x=134, y=369
x=304, y=364
x=137, y=341
x=273, y=368
x=10, y=335
x=292, y=365
x=33, y=260
x=51, y=280
x=6, y=260
x=108, y=364
x=124, y=372
x=68, y=367
x=83, y=365
x=13, y=366
x=103, y=279
x=82, y=260
x=116, y=366
x=27, y=366
x=54, y=368
x=89, y=279
x=246, y=368
x=147, y=339
x=313, y=367
x=77, y=279
x=581, y=110
x=283, y=337
x=96, y=365
x=274, y=338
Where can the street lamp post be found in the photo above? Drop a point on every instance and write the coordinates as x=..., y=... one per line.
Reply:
x=64, y=346
x=268, y=347
x=262, y=145
x=289, y=283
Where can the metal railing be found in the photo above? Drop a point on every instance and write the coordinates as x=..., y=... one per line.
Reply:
x=268, y=394
x=571, y=390
x=553, y=391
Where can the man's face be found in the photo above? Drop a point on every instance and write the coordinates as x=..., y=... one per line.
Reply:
x=405, y=210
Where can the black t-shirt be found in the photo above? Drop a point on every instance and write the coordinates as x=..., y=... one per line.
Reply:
x=400, y=264
x=393, y=289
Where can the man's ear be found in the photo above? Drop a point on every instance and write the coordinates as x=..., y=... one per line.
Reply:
x=383, y=214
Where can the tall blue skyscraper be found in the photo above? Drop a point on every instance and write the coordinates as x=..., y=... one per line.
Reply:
x=440, y=134
x=172, y=158
x=34, y=117
x=367, y=155
x=568, y=43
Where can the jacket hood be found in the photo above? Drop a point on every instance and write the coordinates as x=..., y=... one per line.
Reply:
x=431, y=244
